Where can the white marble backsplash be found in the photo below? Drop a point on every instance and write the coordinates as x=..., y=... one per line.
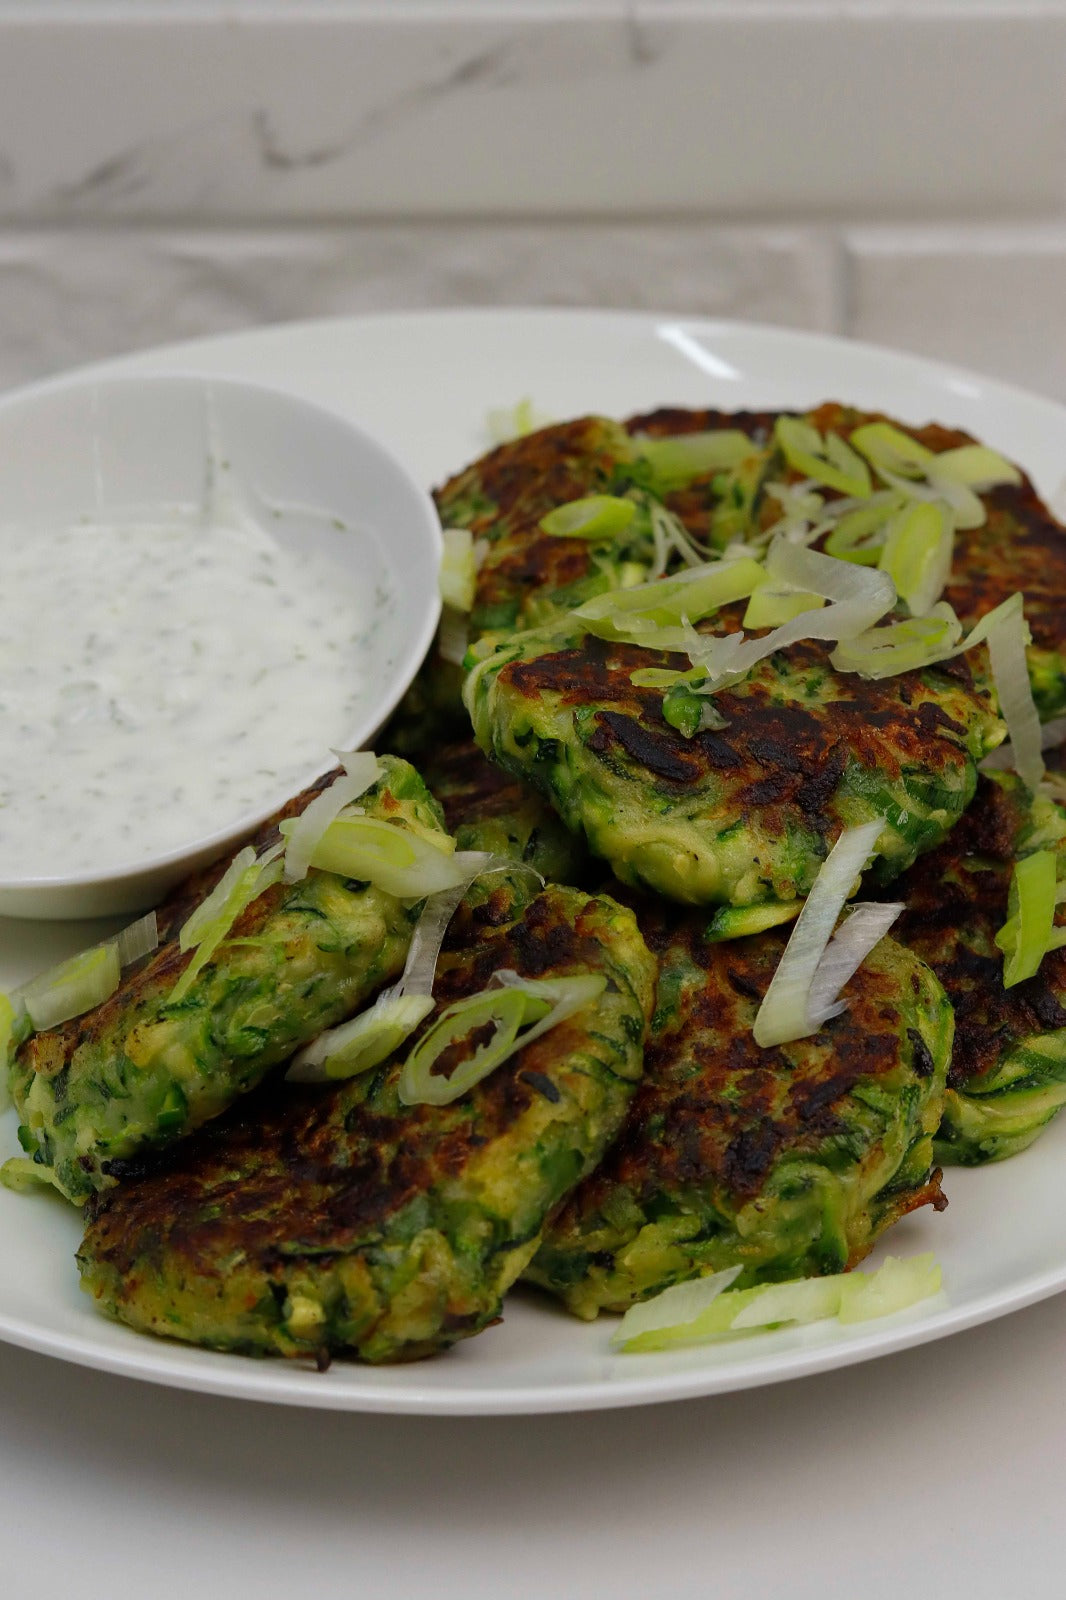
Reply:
x=893, y=171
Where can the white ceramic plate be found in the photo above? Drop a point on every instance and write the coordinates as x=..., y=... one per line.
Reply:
x=423, y=383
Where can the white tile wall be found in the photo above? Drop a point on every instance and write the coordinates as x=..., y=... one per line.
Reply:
x=895, y=170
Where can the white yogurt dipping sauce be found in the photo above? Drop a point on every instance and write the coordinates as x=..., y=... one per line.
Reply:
x=161, y=679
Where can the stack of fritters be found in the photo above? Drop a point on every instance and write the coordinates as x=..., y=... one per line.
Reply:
x=314, y=1220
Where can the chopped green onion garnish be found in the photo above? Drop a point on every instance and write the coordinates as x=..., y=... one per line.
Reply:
x=1028, y=933
x=789, y=1009
x=22, y=1173
x=919, y=473
x=458, y=569
x=678, y=459
x=391, y=857
x=246, y=877
x=533, y=1005
x=774, y=604
x=597, y=516
x=859, y=535
x=917, y=554
x=361, y=772
x=827, y=460
x=78, y=985
x=887, y=447
x=362, y=1043
x=975, y=466
x=896, y=647
x=692, y=1313
x=653, y=614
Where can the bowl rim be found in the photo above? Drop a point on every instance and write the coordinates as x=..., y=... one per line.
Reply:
x=213, y=845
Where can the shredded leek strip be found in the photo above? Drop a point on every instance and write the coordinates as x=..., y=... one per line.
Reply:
x=692, y=1313
x=1007, y=634
x=919, y=544
x=1029, y=932
x=678, y=458
x=458, y=569
x=535, y=1005
x=858, y=598
x=669, y=533
x=596, y=516
x=827, y=459
x=361, y=772
x=924, y=641
x=788, y=1009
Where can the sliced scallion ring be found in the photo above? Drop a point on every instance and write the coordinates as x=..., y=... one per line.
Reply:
x=905, y=646
x=917, y=552
x=885, y=446
x=679, y=458
x=534, y=1005
x=859, y=534
x=829, y=459
x=596, y=516
x=363, y=1042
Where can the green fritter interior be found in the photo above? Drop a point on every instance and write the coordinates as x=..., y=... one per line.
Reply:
x=142, y=1070
x=486, y=808
x=1008, y=1072
x=334, y=1218
x=745, y=814
x=783, y=1162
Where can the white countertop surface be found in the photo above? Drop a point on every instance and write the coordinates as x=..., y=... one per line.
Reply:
x=929, y=1471
x=936, y=1472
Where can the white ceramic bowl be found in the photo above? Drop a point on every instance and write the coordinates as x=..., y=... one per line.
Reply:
x=112, y=444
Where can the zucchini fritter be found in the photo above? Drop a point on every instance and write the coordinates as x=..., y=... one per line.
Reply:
x=1008, y=1072
x=318, y=1220
x=141, y=1071
x=486, y=808
x=746, y=814
x=784, y=1162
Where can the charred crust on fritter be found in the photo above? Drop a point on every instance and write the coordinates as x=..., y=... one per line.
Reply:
x=715, y=1110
